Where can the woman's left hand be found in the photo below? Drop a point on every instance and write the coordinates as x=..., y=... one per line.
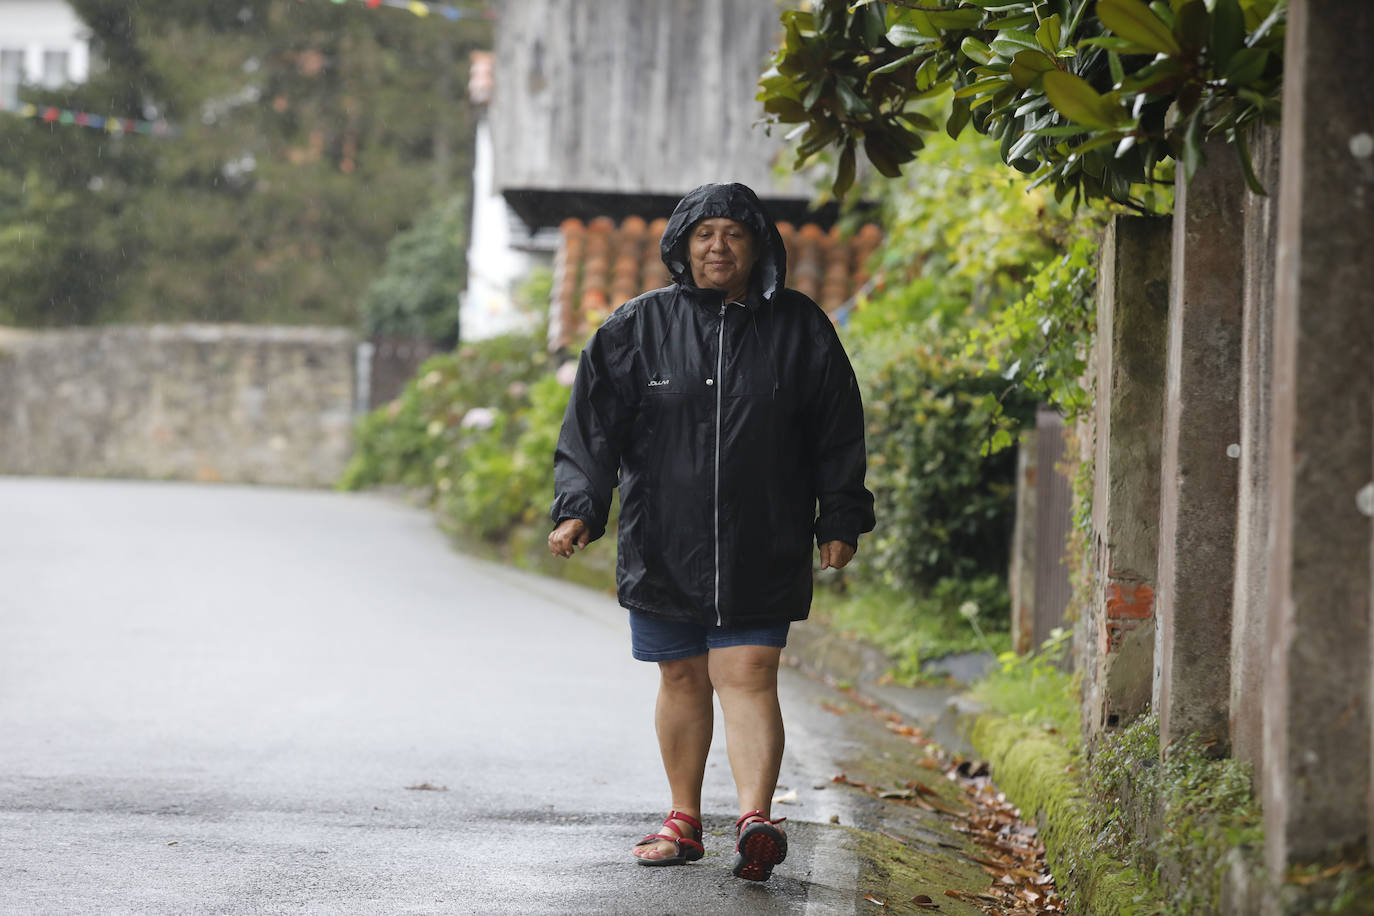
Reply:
x=836, y=555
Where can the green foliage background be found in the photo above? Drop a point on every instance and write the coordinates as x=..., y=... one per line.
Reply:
x=418, y=291
x=307, y=135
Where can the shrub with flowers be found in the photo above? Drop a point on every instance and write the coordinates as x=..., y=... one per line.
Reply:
x=474, y=431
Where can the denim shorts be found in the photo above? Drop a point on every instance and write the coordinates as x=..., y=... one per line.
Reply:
x=653, y=639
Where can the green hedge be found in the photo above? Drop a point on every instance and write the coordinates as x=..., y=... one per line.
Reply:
x=945, y=509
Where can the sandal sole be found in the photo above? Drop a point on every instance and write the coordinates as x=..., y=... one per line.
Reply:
x=759, y=850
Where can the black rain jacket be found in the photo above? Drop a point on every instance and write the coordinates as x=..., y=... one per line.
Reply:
x=728, y=425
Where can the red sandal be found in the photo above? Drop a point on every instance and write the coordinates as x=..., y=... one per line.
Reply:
x=758, y=847
x=688, y=848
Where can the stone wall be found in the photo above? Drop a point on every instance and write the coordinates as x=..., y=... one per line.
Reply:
x=243, y=404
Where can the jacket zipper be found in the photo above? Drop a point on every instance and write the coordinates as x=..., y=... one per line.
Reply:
x=720, y=367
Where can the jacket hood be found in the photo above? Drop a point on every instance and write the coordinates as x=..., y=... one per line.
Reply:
x=732, y=201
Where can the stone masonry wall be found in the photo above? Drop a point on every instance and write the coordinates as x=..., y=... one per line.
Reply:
x=234, y=403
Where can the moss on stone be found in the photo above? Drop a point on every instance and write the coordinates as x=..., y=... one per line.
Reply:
x=1038, y=774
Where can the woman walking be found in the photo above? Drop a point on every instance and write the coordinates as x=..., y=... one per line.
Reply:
x=725, y=409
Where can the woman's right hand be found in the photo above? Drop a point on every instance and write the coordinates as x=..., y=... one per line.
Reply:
x=570, y=534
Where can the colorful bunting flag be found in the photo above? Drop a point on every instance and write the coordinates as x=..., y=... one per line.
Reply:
x=422, y=9
x=68, y=118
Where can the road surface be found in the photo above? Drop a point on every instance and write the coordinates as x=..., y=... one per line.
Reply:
x=220, y=699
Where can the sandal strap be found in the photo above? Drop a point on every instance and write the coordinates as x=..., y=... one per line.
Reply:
x=758, y=813
x=678, y=841
x=679, y=816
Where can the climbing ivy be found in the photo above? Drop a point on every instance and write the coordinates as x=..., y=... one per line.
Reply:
x=1098, y=99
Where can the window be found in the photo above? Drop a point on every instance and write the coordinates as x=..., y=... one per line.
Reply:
x=11, y=75
x=54, y=69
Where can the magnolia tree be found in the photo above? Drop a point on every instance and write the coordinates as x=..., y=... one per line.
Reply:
x=1097, y=98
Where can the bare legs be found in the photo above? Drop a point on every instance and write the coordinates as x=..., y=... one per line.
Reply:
x=746, y=680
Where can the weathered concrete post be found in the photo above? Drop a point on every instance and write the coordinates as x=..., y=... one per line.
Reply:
x=1022, y=578
x=1317, y=719
x=1132, y=334
x=1250, y=607
x=1197, y=519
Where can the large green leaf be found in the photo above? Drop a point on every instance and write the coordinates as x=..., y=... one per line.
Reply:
x=789, y=111
x=1246, y=66
x=1228, y=32
x=976, y=50
x=1136, y=22
x=1009, y=42
x=898, y=64
x=844, y=174
x=1076, y=100
x=908, y=22
x=1019, y=21
x=1028, y=66
x=1048, y=34
x=959, y=113
x=1192, y=26
x=956, y=19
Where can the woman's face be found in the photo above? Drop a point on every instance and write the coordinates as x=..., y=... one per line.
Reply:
x=721, y=253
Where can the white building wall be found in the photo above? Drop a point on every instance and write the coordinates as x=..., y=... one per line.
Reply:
x=43, y=43
x=495, y=265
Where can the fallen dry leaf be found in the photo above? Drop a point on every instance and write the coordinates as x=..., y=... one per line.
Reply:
x=874, y=900
x=426, y=787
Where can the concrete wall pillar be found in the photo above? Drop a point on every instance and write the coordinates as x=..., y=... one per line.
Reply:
x=1198, y=478
x=1053, y=522
x=1250, y=595
x=1022, y=578
x=1132, y=332
x=1317, y=717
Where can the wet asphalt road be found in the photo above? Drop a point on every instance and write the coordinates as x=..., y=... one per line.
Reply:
x=216, y=699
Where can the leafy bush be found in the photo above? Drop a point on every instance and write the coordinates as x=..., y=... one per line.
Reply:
x=945, y=509
x=1096, y=97
x=417, y=293
x=413, y=440
x=503, y=475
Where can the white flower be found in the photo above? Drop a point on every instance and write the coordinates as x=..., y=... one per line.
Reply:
x=435, y=428
x=445, y=484
x=478, y=418
x=566, y=373
x=441, y=462
x=431, y=378
x=968, y=610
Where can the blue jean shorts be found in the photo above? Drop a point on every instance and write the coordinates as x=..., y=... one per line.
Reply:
x=653, y=639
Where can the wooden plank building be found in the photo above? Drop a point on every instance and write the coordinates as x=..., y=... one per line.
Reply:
x=618, y=107
x=605, y=112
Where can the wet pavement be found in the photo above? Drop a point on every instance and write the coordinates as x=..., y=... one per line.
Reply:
x=220, y=699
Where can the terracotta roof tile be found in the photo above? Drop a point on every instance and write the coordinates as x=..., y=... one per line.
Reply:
x=600, y=265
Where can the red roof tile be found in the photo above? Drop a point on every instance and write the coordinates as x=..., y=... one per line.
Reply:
x=600, y=265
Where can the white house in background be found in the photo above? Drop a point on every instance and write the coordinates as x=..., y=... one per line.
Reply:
x=499, y=254
x=42, y=43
